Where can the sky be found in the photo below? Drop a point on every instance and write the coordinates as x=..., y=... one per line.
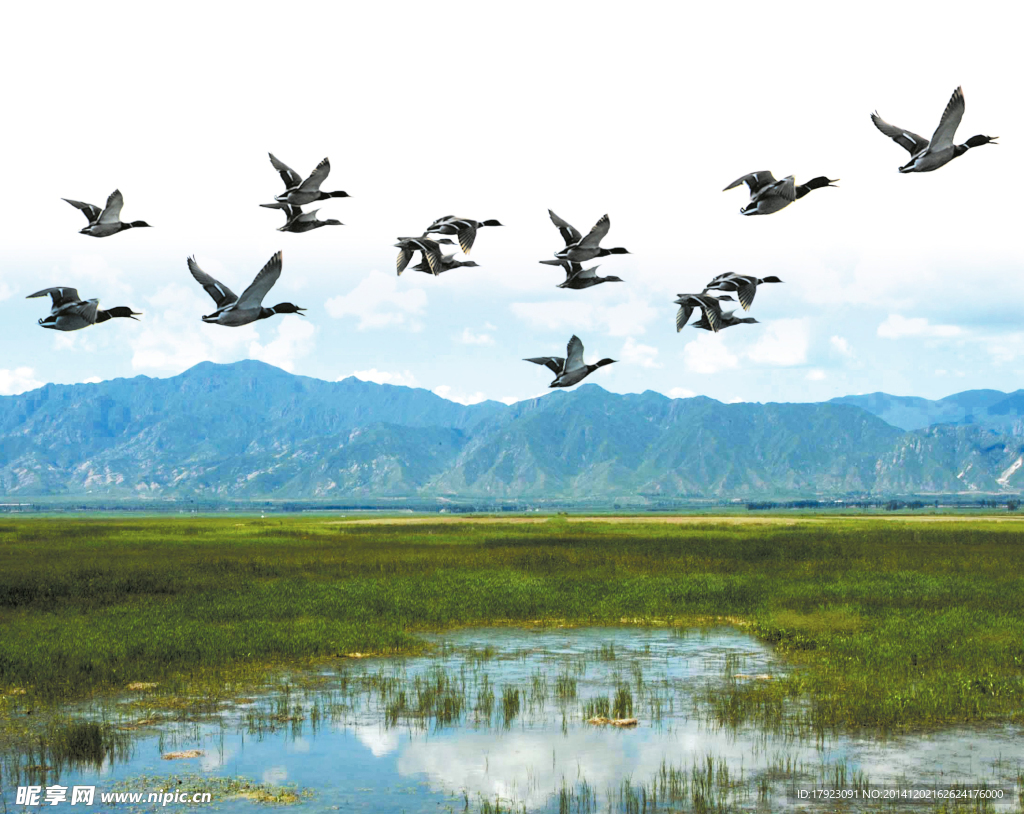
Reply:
x=907, y=284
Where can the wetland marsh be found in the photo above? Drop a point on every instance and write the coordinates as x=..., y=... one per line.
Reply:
x=753, y=655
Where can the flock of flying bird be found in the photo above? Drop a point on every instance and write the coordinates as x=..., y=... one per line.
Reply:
x=767, y=195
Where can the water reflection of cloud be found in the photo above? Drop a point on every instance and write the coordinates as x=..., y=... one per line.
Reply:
x=300, y=745
x=379, y=740
x=275, y=775
x=529, y=765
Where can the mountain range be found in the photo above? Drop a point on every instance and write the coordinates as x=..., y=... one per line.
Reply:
x=249, y=430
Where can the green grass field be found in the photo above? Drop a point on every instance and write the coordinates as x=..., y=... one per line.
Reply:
x=883, y=622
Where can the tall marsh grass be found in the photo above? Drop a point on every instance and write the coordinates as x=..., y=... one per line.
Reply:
x=883, y=622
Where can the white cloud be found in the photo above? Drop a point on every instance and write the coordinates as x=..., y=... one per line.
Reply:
x=174, y=338
x=5, y=291
x=469, y=338
x=708, y=354
x=553, y=315
x=379, y=302
x=92, y=380
x=94, y=276
x=841, y=346
x=681, y=393
x=74, y=340
x=516, y=399
x=628, y=317
x=446, y=392
x=1002, y=353
x=1002, y=348
x=896, y=327
x=18, y=380
x=294, y=339
x=384, y=377
x=816, y=375
x=784, y=343
x=636, y=354
x=624, y=319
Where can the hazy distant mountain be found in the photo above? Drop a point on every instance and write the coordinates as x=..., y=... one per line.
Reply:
x=249, y=430
x=989, y=409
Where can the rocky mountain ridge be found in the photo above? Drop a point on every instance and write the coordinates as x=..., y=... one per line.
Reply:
x=249, y=430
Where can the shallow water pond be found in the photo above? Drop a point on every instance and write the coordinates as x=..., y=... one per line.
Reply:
x=499, y=722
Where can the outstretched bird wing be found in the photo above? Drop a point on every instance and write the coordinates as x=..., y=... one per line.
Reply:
x=404, y=256
x=574, y=351
x=569, y=232
x=570, y=267
x=745, y=292
x=596, y=234
x=432, y=254
x=911, y=142
x=722, y=282
x=112, y=211
x=290, y=211
x=317, y=177
x=85, y=310
x=90, y=211
x=712, y=309
x=437, y=224
x=683, y=316
x=556, y=363
x=288, y=175
x=253, y=296
x=755, y=181
x=466, y=235
x=222, y=295
x=942, y=138
x=785, y=189
x=61, y=295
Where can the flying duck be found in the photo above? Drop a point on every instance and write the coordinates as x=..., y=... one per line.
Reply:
x=571, y=370
x=925, y=155
x=298, y=221
x=463, y=227
x=577, y=277
x=431, y=252
x=768, y=195
x=234, y=311
x=744, y=285
x=580, y=249
x=711, y=306
x=299, y=192
x=71, y=313
x=105, y=222
x=726, y=320
x=448, y=262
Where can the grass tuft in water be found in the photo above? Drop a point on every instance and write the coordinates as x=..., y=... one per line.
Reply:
x=622, y=706
x=509, y=706
x=565, y=688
